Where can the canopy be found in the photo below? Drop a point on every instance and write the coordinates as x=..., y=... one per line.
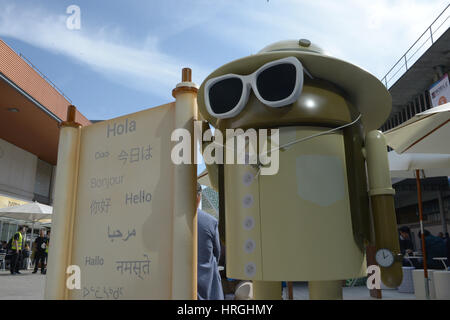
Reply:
x=426, y=132
x=30, y=212
x=430, y=165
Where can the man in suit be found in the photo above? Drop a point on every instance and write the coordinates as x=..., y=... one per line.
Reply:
x=16, y=249
x=209, y=285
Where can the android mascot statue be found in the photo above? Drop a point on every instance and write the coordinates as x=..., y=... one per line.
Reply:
x=331, y=197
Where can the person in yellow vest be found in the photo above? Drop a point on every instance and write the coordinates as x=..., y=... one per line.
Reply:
x=16, y=249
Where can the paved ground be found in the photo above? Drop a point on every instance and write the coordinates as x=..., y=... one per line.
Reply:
x=352, y=293
x=25, y=286
x=28, y=286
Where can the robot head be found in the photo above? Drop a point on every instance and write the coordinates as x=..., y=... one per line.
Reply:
x=290, y=83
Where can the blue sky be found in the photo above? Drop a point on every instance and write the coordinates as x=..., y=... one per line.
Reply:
x=128, y=55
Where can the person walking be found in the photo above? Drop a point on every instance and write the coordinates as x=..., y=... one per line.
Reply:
x=40, y=245
x=209, y=284
x=16, y=249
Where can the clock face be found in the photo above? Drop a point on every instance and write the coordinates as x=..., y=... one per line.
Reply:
x=384, y=258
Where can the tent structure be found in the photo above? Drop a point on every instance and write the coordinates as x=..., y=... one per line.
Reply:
x=427, y=165
x=30, y=212
x=426, y=132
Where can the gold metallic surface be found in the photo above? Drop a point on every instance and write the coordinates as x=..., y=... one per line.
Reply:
x=319, y=103
x=325, y=290
x=286, y=222
x=288, y=217
x=386, y=236
x=183, y=89
x=267, y=290
x=362, y=89
x=382, y=200
x=359, y=200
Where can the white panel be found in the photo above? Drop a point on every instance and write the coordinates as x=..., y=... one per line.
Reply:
x=17, y=170
x=52, y=184
x=319, y=175
x=43, y=178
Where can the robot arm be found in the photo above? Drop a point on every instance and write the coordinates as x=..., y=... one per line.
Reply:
x=382, y=200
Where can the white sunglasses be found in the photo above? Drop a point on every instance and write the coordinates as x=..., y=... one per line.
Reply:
x=276, y=84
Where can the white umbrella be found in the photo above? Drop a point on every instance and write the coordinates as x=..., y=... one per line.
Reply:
x=430, y=165
x=30, y=212
x=426, y=132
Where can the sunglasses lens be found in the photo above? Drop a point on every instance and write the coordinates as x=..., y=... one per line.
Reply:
x=277, y=82
x=225, y=94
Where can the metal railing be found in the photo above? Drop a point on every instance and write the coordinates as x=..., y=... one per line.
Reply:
x=425, y=41
x=44, y=76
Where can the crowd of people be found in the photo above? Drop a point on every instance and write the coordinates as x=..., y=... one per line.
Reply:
x=18, y=253
x=435, y=247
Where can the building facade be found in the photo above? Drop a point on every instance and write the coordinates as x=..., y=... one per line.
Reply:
x=31, y=109
x=424, y=65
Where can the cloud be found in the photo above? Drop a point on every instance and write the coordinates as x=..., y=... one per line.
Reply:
x=372, y=34
x=140, y=66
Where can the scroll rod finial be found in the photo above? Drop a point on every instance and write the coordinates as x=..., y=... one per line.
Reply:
x=186, y=75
